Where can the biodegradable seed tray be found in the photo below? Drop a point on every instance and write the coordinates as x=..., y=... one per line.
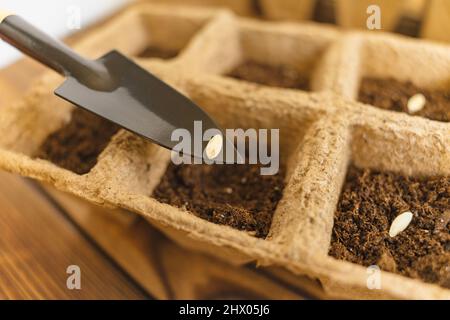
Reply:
x=321, y=132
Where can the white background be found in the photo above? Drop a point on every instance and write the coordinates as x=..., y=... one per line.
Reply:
x=54, y=16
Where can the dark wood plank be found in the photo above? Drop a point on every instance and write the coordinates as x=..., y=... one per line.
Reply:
x=123, y=235
x=37, y=244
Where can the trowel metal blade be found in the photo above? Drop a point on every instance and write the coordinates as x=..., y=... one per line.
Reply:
x=139, y=102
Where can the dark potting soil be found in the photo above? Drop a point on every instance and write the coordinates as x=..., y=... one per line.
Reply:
x=393, y=95
x=408, y=26
x=325, y=11
x=156, y=52
x=274, y=76
x=368, y=204
x=233, y=195
x=77, y=145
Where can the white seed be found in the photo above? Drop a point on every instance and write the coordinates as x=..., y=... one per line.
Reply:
x=228, y=190
x=400, y=223
x=416, y=103
x=214, y=146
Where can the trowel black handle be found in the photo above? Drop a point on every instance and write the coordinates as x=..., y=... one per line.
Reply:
x=50, y=51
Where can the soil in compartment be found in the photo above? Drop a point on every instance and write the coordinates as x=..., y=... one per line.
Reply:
x=369, y=203
x=325, y=11
x=409, y=26
x=233, y=195
x=157, y=52
x=77, y=145
x=280, y=76
x=391, y=94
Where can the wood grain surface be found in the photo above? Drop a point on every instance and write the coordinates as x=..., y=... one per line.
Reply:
x=37, y=244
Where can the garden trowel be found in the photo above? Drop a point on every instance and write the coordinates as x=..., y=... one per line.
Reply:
x=117, y=89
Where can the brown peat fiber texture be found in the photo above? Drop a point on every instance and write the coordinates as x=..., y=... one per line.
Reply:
x=156, y=52
x=370, y=201
x=234, y=195
x=274, y=76
x=393, y=95
x=77, y=145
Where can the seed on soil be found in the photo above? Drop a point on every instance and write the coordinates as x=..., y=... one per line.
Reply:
x=400, y=223
x=214, y=146
x=228, y=190
x=369, y=202
x=416, y=103
x=394, y=95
